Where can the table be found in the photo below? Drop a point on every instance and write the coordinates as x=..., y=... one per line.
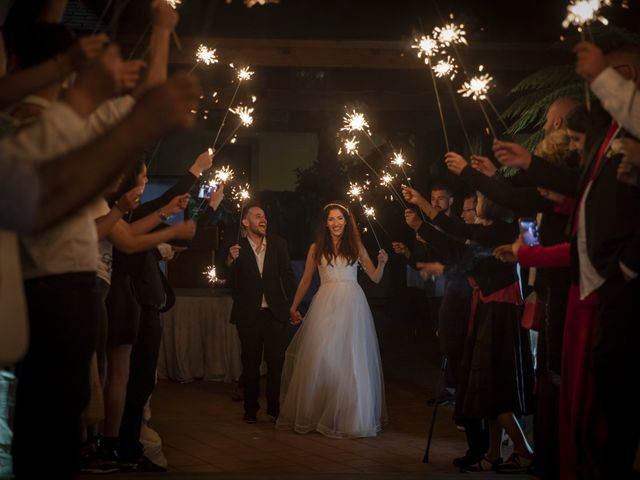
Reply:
x=198, y=342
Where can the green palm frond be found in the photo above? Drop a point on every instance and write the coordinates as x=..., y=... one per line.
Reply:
x=550, y=77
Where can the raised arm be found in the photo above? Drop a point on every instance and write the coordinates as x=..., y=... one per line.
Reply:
x=305, y=282
x=374, y=273
x=126, y=241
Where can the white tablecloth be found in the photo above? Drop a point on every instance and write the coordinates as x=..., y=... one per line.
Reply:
x=198, y=342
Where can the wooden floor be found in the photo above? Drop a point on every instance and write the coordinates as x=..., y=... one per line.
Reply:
x=203, y=431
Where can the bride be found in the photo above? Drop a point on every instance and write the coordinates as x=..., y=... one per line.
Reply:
x=332, y=378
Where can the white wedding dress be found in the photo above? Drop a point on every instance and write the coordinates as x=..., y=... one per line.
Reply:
x=332, y=377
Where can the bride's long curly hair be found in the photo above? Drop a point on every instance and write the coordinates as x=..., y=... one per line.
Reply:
x=348, y=246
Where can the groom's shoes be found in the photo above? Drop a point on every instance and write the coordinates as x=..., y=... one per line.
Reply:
x=250, y=417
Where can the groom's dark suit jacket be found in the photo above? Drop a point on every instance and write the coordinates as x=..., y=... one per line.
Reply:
x=277, y=283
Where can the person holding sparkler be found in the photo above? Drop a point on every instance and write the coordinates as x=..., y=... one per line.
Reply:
x=258, y=270
x=332, y=378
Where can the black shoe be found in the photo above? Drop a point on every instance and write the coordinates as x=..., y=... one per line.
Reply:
x=146, y=465
x=445, y=398
x=483, y=465
x=466, y=461
x=250, y=417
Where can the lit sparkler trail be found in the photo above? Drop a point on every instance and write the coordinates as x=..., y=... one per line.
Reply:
x=354, y=121
x=206, y=55
x=241, y=195
x=369, y=213
x=450, y=34
x=584, y=12
x=477, y=88
x=446, y=68
x=242, y=74
x=399, y=161
x=211, y=274
x=355, y=191
x=223, y=175
x=386, y=180
x=174, y=3
x=427, y=47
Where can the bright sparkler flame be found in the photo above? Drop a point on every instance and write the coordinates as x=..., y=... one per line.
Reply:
x=206, y=55
x=253, y=99
x=476, y=87
x=244, y=113
x=351, y=146
x=450, y=34
x=446, y=68
x=369, y=211
x=173, y=3
x=223, y=175
x=426, y=47
x=354, y=121
x=386, y=178
x=244, y=73
x=581, y=12
x=355, y=191
x=211, y=274
x=241, y=194
x=399, y=160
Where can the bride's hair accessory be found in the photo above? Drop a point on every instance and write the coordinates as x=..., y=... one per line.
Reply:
x=328, y=205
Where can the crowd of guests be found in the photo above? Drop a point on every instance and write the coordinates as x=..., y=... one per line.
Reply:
x=580, y=191
x=82, y=288
x=80, y=255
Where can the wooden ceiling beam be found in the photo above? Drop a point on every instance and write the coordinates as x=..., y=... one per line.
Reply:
x=365, y=54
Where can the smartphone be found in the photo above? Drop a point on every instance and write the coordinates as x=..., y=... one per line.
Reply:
x=206, y=189
x=529, y=231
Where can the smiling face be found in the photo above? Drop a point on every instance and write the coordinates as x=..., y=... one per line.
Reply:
x=336, y=223
x=255, y=221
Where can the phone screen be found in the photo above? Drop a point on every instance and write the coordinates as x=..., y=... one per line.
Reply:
x=206, y=189
x=529, y=231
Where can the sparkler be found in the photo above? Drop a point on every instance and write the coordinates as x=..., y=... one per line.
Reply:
x=242, y=74
x=450, y=34
x=356, y=122
x=582, y=13
x=386, y=180
x=427, y=47
x=446, y=68
x=211, y=274
x=241, y=195
x=477, y=88
x=369, y=213
x=223, y=175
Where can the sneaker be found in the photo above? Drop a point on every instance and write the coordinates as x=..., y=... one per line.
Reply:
x=483, y=465
x=516, y=463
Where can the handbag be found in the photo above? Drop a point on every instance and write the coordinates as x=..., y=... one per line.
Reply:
x=533, y=312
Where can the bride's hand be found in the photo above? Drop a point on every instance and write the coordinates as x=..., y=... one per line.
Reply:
x=296, y=317
x=382, y=257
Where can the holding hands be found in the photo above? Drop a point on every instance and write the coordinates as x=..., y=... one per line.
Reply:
x=295, y=316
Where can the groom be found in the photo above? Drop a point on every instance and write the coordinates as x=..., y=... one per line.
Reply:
x=263, y=284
